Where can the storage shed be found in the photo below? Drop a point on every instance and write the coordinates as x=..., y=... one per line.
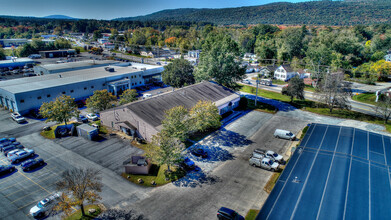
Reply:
x=87, y=131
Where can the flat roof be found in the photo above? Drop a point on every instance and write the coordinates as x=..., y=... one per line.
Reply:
x=17, y=60
x=71, y=65
x=45, y=51
x=335, y=173
x=71, y=77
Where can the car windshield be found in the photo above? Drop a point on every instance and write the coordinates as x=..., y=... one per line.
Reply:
x=18, y=117
x=290, y=134
x=270, y=162
x=275, y=155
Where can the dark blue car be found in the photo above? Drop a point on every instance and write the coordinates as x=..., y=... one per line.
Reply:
x=82, y=119
x=199, y=152
x=6, y=169
x=188, y=164
x=32, y=163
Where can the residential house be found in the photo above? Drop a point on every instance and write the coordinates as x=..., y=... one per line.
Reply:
x=285, y=73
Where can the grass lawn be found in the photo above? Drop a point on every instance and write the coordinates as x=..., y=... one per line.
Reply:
x=368, y=98
x=262, y=107
x=251, y=214
x=279, y=82
x=77, y=215
x=102, y=128
x=157, y=175
x=272, y=181
x=309, y=88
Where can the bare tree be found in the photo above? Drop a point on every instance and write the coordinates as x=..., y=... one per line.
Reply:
x=383, y=108
x=334, y=92
x=82, y=184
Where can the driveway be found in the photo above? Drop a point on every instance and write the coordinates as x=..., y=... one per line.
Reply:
x=224, y=178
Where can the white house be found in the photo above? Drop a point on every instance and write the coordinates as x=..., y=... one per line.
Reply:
x=284, y=73
x=387, y=57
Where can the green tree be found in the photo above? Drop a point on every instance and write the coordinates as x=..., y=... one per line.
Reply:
x=129, y=95
x=219, y=60
x=295, y=88
x=101, y=100
x=176, y=124
x=60, y=110
x=96, y=35
x=165, y=150
x=178, y=73
x=2, y=54
x=204, y=115
x=382, y=68
x=84, y=184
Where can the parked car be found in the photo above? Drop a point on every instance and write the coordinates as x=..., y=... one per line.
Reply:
x=265, y=163
x=6, y=169
x=199, y=152
x=188, y=164
x=82, y=119
x=45, y=206
x=11, y=147
x=284, y=134
x=31, y=163
x=228, y=214
x=276, y=157
x=17, y=117
x=12, y=152
x=21, y=155
x=92, y=116
x=4, y=140
x=246, y=81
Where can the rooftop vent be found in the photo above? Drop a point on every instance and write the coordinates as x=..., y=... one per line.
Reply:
x=109, y=69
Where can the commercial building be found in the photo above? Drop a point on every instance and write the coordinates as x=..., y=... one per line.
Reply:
x=143, y=118
x=71, y=66
x=14, y=63
x=12, y=42
x=57, y=53
x=25, y=94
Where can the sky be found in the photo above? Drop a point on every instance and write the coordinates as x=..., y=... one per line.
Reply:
x=109, y=9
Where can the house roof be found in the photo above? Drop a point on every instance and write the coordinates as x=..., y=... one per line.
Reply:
x=287, y=67
x=152, y=110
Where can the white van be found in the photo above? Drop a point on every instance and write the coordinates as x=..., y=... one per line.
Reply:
x=284, y=134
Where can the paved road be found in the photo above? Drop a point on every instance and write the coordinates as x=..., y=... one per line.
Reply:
x=356, y=106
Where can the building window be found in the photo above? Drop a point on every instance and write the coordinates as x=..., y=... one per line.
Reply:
x=131, y=77
x=72, y=91
x=39, y=97
x=92, y=87
x=22, y=101
x=104, y=84
x=48, y=96
x=139, y=75
x=140, y=83
x=63, y=92
x=132, y=84
x=85, y=88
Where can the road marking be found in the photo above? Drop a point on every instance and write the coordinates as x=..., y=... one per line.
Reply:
x=24, y=189
x=25, y=195
x=34, y=182
x=32, y=202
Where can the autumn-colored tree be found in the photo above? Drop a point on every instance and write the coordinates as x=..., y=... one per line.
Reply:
x=382, y=68
x=83, y=184
x=129, y=95
x=204, y=115
x=60, y=110
x=170, y=41
x=101, y=100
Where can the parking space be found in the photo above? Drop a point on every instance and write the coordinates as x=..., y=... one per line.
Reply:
x=19, y=191
x=225, y=178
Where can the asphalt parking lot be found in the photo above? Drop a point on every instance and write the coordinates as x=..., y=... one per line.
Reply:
x=21, y=190
x=225, y=178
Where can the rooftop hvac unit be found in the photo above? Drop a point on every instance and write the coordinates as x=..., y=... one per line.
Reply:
x=109, y=69
x=143, y=68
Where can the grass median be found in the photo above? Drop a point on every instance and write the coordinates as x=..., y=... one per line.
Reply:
x=317, y=107
x=368, y=98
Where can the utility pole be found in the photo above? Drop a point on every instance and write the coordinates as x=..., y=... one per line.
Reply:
x=256, y=92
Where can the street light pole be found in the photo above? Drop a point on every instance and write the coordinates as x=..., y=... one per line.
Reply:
x=256, y=92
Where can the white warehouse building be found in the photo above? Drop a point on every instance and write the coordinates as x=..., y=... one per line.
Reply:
x=25, y=94
x=71, y=66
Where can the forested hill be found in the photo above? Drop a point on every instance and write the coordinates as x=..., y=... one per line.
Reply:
x=312, y=12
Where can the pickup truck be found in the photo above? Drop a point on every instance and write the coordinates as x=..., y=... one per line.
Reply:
x=261, y=153
x=265, y=163
x=21, y=155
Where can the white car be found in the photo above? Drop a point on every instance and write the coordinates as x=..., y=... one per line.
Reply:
x=276, y=157
x=92, y=116
x=17, y=117
x=44, y=206
x=246, y=81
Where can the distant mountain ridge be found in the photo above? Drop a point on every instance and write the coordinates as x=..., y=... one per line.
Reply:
x=349, y=12
x=63, y=17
